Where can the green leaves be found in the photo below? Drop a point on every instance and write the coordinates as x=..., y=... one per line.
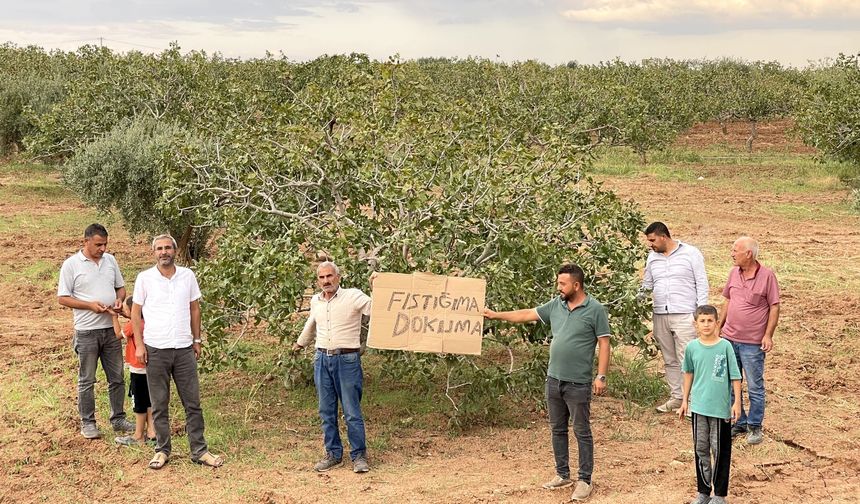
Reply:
x=463, y=167
x=470, y=169
x=829, y=115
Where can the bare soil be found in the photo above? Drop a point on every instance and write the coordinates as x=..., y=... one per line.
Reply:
x=811, y=451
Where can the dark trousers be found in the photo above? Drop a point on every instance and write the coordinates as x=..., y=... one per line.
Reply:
x=566, y=401
x=181, y=365
x=138, y=390
x=92, y=346
x=712, y=436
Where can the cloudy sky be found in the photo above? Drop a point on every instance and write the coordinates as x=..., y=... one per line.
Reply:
x=554, y=31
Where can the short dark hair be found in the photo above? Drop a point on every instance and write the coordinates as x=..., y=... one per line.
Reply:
x=129, y=301
x=706, y=309
x=93, y=230
x=574, y=271
x=658, y=228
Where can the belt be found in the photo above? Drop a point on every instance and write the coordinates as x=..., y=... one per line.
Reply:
x=571, y=382
x=338, y=351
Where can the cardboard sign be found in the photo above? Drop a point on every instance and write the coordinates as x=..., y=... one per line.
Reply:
x=423, y=312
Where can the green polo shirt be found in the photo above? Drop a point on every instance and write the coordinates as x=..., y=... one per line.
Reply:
x=574, y=337
x=713, y=368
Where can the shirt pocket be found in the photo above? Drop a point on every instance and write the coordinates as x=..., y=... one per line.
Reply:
x=757, y=298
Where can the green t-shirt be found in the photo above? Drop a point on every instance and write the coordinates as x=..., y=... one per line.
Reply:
x=574, y=337
x=713, y=368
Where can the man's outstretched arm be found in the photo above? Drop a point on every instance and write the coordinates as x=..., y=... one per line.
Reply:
x=515, y=316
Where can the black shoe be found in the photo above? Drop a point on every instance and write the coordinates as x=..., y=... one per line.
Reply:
x=738, y=430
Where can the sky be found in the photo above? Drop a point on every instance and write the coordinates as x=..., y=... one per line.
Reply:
x=793, y=32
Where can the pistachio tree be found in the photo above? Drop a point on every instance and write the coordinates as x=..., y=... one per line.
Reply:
x=389, y=166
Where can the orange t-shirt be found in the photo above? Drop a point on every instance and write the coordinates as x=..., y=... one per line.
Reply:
x=130, y=348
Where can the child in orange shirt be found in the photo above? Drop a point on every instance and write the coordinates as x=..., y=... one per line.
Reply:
x=138, y=389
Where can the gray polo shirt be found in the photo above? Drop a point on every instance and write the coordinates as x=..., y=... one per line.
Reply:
x=83, y=279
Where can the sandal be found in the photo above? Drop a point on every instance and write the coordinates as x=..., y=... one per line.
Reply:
x=209, y=460
x=158, y=460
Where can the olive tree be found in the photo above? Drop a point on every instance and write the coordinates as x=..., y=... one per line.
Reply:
x=121, y=171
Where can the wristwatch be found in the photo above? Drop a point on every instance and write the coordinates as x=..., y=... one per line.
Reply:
x=602, y=377
x=198, y=341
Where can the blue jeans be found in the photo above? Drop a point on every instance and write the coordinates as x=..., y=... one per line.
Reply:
x=751, y=361
x=339, y=378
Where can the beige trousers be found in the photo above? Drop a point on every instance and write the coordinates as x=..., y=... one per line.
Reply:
x=672, y=332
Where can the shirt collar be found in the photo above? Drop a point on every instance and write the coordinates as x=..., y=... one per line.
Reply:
x=84, y=258
x=322, y=298
x=581, y=305
x=680, y=244
x=755, y=271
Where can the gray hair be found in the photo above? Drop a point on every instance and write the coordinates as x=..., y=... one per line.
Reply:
x=163, y=237
x=749, y=244
x=329, y=264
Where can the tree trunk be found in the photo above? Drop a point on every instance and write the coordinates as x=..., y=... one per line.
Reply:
x=183, y=245
x=643, y=160
x=753, y=135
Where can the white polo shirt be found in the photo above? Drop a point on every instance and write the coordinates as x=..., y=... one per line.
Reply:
x=166, y=306
x=336, y=322
x=83, y=279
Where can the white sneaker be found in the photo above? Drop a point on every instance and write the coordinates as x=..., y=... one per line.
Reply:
x=558, y=482
x=581, y=492
x=669, y=406
x=701, y=499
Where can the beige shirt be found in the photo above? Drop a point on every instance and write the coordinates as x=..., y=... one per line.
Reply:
x=336, y=322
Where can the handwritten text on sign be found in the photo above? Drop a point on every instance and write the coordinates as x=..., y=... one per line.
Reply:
x=422, y=312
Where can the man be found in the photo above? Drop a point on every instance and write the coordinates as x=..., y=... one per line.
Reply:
x=335, y=321
x=675, y=273
x=579, y=323
x=168, y=298
x=91, y=284
x=748, y=322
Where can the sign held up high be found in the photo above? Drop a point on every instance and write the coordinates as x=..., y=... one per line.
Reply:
x=422, y=312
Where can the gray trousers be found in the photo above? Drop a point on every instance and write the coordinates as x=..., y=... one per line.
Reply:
x=90, y=346
x=712, y=436
x=673, y=331
x=566, y=401
x=181, y=365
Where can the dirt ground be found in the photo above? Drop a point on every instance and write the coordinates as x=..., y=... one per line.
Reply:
x=811, y=451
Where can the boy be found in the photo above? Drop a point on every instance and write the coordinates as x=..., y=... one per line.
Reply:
x=138, y=389
x=711, y=371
